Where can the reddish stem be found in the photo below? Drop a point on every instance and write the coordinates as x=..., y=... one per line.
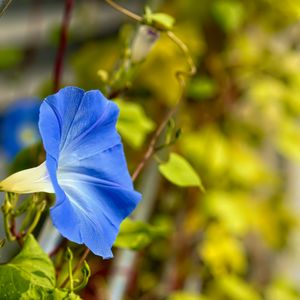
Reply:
x=58, y=67
x=151, y=148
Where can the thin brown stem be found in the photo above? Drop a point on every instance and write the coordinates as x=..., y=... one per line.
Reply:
x=124, y=11
x=58, y=66
x=3, y=6
x=184, y=49
x=180, y=75
x=151, y=148
x=82, y=259
x=58, y=248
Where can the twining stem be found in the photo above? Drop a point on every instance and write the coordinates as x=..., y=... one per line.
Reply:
x=58, y=66
x=41, y=207
x=86, y=273
x=151, y=148
x=7, y=227
x=180, y=75
x=22, y=208
x=124, y=11
x=82, y=259
x=77, y=266
x=70, y=259
x=3, y=6
x=185, y=50
x=7, y=208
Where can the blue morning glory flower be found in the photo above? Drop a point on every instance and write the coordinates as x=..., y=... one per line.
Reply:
x=85, y=167
x=19, y=126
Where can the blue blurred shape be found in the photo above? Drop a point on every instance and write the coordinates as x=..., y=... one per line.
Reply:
x=19, y=126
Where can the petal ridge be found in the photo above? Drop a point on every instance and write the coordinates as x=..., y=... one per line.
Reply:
x=71, y=124
x=97, y=123
x=56, y=113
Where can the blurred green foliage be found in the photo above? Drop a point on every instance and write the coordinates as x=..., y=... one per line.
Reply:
x=10, y=58
x=133, y=124
x=136, y=235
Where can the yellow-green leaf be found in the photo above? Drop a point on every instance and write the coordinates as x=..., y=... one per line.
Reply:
x=179, y=171
x=162, y=21
x=236, y=289
x=183, y=295
x=133, y=124
x=136, y=235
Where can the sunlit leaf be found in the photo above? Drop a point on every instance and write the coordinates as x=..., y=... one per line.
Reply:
x=136, y=235
x=182, y=295
x=195, y=147
x=232, y=209
x=288, y=139
x=179, y=171
x=222, y=252
x=31, y=275
x=31, y=270
x=282, y=289
x=133, y=124
x=237, y=289
x=162, y=21
x=10, y=57
x=229, y=14
x=202, y=88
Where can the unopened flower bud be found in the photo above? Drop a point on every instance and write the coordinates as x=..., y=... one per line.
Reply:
x=143, y=42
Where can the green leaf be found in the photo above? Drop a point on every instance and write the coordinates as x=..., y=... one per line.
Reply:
x=10, y=58
x=202, y=88
x=34, y=264
x=232, y=209
x=229, y=14
x=182, y=295
x=56, y=294
x=222, y=252
x=179, y=171
x=31, y=275
x=280, y=289
x=160, y=21
x=31, y=271
x=133, y=124
x=59, y=294
x=287, y=139
x=136, y=235
x=235, y=288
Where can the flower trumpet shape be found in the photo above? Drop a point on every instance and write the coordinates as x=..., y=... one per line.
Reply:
x=85, y=167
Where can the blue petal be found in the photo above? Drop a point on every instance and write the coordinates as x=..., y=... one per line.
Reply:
x=87, y=166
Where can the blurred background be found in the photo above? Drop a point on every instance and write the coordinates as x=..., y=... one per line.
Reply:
x=240, y=130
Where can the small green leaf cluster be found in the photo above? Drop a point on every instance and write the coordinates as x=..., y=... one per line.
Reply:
x=31, y=275
x=160, y=21
x=136, y=235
